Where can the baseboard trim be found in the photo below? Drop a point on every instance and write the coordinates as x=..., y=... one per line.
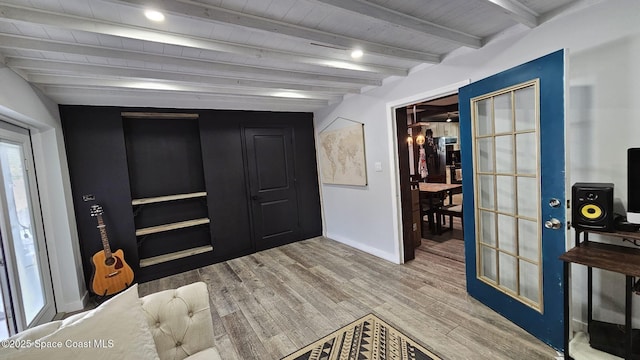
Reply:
x=391, y=257
x=579, y=326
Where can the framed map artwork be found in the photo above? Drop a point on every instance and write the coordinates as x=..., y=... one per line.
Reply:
x=342, y=157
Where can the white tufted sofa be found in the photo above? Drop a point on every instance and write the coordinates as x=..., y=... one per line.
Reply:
x=180, y=323
x=167, y=325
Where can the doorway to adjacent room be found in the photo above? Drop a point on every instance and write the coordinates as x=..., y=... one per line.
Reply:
x=430, y=177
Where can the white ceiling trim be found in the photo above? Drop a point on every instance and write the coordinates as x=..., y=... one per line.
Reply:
x=164, y=37
x=406, y=21
x=210, y=12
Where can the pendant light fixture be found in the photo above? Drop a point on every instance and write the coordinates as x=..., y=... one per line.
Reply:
x=419, y=138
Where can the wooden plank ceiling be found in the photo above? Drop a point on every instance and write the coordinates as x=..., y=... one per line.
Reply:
x=291, y=55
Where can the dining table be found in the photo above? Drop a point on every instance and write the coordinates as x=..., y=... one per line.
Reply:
x=434, y=193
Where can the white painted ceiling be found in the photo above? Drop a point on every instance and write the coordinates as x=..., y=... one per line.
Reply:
x=291, y=55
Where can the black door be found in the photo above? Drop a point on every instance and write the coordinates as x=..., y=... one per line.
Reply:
x=272, y=188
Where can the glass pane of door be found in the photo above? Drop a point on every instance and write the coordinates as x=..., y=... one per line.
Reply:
x=18, y=213
x=506, y=123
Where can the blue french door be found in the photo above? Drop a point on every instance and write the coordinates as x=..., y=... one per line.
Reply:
x=513, y=165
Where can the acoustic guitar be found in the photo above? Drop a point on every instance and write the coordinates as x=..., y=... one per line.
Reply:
x=111, y=274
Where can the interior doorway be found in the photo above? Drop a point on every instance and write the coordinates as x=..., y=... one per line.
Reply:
x=430, y=172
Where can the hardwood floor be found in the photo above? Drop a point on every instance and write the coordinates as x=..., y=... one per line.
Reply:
x=269, y=304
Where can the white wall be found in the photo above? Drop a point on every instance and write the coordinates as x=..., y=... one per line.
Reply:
x=603, y=43
x=604, y=122
x=27, y=107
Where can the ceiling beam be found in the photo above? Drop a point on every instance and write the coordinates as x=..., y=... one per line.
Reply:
x=153, y=98
x=51, y=67
x=96, y=83
x=103, y=27
x=225, y=69
x=399, y=19
x=434, y=109
x=517, y=11
x=209, y=12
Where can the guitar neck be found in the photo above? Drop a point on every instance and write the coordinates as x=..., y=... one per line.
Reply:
x=105, y=239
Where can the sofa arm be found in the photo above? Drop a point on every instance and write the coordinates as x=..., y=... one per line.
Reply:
x=180, y=321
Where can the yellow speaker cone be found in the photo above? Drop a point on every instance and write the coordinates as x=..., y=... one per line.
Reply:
x=591, y=211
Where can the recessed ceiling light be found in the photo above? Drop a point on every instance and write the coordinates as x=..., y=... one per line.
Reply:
x=289, y=94
x=154, y=15
x=149, y=85
x=357, y=54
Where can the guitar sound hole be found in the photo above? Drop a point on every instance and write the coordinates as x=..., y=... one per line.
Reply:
x=110, y=261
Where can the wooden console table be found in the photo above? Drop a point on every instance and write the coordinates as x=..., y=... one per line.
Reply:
x=620, y=259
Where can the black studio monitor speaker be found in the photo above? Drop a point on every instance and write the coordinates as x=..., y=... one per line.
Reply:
x=592, y=207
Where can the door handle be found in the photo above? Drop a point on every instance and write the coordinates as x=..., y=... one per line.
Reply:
x=553, y=223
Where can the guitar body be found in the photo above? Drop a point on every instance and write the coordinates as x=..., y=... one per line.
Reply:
x=112, y=275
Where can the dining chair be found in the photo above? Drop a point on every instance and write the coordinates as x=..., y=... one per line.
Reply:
x=428, y=211
x=450, y=211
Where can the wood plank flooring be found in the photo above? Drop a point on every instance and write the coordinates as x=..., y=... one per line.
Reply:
x=269, y=304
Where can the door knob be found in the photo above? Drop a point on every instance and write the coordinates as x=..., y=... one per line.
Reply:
x=553, y=224
x=554, y=203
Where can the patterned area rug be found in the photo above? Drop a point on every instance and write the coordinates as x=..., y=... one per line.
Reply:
x=368, y=338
